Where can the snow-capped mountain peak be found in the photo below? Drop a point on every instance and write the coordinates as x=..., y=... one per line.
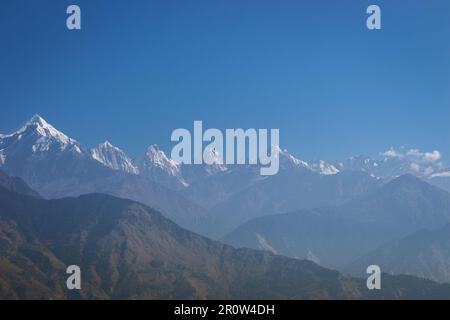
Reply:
x=157, y=157
x=43, y=128
x=216, y=161
x=107, y=144
x=396, y=162
x=287, y=160
x=156, y=164
x=113, y=157
x=39, y=136
x=324, y=168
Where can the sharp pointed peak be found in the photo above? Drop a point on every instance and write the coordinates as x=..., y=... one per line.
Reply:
x=108, y=144
x=154, y=147
x=36, y=118
x=42, y=135
x=155, y=150
x=38, y=124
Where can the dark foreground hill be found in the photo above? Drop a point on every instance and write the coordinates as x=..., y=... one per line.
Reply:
x=128, y=251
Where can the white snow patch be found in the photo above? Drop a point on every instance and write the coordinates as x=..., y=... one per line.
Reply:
x=113, y=157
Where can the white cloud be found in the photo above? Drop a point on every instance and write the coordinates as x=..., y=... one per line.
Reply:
x=414, y=155
x=391, y=153
x=433, y=156
x=426, y=156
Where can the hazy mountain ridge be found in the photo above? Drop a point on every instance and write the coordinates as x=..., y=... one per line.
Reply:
x=58, y=166
x=37, y=142
x=425, y=253
x=290, y=191
x=355, y=204
x=128, y=251
x=16, y=185
x=335, y=236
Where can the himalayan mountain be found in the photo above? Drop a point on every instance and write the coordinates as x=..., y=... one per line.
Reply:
x=424, y=253
x=58, y=166
x=209, y=199
x=340, y=215
x=336, y=236
x=127, y=250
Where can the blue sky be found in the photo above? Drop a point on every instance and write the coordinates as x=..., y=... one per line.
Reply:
x=140, y=69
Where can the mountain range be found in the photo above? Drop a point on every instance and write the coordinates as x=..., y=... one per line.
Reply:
x=333, y=213
x=424, y=253
x=129, y=251
x=334, y=236
x=210, y=199
x=59, y=166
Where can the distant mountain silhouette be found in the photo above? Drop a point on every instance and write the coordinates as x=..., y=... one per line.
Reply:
x=129, y=251
x=296, y=189
x=58, y=166
x=335, y=236
x=425, y=253
x=17, y=185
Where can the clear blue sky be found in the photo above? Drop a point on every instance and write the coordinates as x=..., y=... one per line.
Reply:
x=139, y=69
